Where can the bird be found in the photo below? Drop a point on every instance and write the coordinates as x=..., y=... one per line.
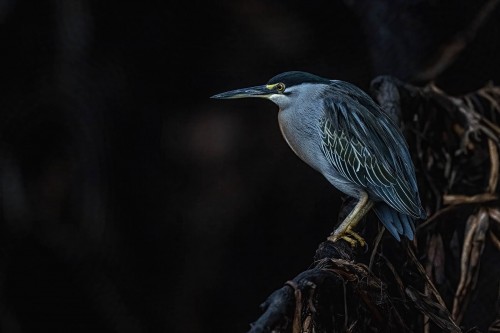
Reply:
x=339, y=130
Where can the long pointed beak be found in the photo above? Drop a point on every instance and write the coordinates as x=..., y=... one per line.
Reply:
x=258, y=91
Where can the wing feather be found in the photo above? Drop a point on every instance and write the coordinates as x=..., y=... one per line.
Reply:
x=366, y=147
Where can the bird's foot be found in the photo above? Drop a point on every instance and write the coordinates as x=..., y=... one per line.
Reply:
x=357, y=237
x=349, y=236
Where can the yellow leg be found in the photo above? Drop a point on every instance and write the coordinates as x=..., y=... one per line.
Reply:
x=344, y=230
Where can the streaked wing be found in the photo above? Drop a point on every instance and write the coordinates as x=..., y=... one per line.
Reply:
x=363, y=146
x=346, y=155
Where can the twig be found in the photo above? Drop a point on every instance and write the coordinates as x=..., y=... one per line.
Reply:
x=297, y=318
x=434, y=217
x=476, y=228
x=456, y=199
x=435, y=311
x=428, y=281
x=375, y=247
x=493, y=179
x=494, y=240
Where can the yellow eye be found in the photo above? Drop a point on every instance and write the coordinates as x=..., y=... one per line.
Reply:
x=280, y=87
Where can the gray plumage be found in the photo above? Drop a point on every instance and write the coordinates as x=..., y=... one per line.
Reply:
x=341, y=132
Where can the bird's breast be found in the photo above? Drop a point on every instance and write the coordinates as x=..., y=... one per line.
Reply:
x=302, y=135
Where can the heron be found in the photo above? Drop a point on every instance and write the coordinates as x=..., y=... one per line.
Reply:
x=339, y=130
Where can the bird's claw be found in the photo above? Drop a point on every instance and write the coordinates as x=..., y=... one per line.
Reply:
x=357, y=237
x=349, y=236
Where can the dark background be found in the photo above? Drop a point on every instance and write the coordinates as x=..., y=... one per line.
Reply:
x=131, y=202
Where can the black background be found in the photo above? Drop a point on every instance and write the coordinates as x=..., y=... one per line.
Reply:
x=131, y=202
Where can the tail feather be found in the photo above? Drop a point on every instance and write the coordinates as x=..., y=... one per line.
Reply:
x=395, y=220
x=408, y=226
x=387, y=219
x=396, y=223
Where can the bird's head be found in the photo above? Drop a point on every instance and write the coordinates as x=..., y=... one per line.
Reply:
x=282, y=89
